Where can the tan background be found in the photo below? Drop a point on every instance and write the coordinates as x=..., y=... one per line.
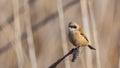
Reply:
x=47, y=34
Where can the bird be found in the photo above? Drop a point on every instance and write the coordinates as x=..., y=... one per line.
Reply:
x=77, y=36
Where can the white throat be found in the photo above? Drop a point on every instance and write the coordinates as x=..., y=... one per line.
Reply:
x=72, y=29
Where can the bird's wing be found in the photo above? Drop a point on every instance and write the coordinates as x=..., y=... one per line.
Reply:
x=82, y=33
x=84, y=36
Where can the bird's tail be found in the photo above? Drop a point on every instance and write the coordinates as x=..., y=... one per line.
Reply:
x=91, y=47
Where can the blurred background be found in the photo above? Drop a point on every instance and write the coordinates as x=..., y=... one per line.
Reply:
x=33, y=33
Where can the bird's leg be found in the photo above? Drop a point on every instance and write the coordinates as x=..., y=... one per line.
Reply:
x=75, y=53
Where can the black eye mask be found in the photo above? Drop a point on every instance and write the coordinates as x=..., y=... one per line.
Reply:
x=73, y=26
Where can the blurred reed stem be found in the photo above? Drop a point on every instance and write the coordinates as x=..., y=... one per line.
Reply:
x=30, y=35
x=86, y=27
x=63, y=31
x=94, y=30
x=18, y=43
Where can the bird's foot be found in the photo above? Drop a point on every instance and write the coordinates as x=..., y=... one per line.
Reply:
x=75, y=53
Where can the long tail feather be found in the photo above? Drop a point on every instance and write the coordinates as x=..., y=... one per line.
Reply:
x=91, y=47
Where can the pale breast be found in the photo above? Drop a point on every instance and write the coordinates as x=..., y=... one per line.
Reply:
x=71, y=37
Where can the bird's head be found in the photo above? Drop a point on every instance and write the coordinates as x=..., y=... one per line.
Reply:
x=73, y=26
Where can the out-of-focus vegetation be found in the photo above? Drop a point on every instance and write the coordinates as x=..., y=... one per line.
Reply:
x=37, y=24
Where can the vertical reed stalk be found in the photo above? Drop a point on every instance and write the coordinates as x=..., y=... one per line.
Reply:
x=30, y=35
x=85, y=21
x=94, y=33
x=63, y=31
x=18, y=43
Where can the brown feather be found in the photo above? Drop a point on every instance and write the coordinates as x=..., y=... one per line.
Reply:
x=82, y=33
x=84, y=36
x=79, y=39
